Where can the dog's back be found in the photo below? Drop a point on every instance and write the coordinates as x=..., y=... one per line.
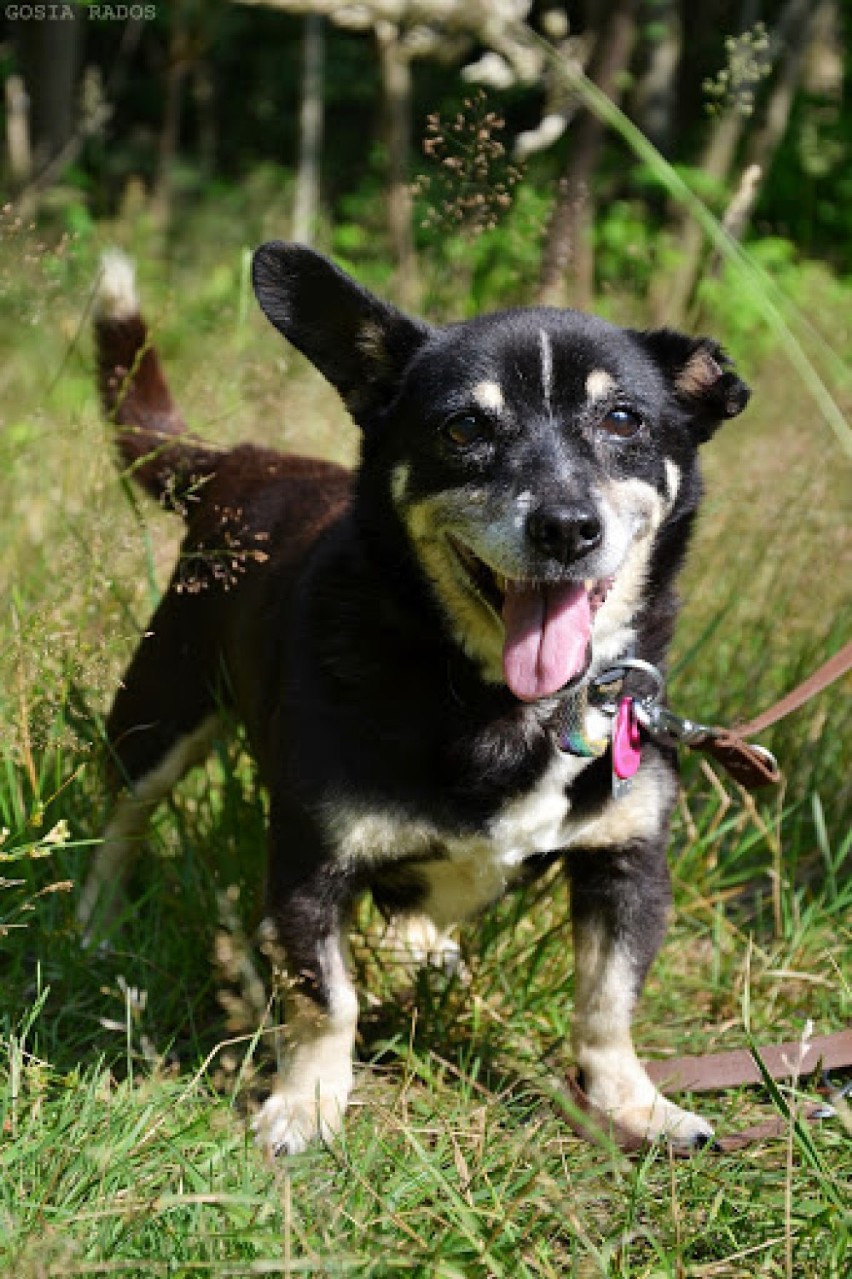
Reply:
x=252, y=516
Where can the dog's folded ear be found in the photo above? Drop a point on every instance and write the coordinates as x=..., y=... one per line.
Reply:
x=701, y=375
x=359, y=343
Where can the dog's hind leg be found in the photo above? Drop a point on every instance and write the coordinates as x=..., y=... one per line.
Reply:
x=619, y=904
x=163, y=721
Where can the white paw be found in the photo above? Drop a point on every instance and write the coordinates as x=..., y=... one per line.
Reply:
x=415, y=941
x=663, y=1120
x=617, y=1085
x=289, y=1120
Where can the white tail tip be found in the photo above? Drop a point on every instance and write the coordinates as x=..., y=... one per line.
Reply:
x=116, y=297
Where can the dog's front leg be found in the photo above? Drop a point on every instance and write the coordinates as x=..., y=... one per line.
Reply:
x=619, y=903
x=306, y=925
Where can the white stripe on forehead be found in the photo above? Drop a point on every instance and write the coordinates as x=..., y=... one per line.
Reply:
x=523, y=503
x=599, y=384
x=546, y=366
x=489, y=395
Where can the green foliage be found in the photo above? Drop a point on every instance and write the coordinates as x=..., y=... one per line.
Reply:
x=495, y=268
x=725, y=301
x=626, y=248
x=704, y=185
x=720, y=293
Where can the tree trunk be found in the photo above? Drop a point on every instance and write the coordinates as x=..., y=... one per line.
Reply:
x=568, y=252
x=797, y=29
x=18, y=149
x=311, y=111
x=176, y=73
x=396, y=79
x=656, y=92
x=51, y=57
x=717, y=161
x=676, y=292
x=204, y=93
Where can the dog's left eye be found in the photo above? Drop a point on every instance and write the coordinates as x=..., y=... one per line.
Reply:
x=622, y=423
x=466, y=429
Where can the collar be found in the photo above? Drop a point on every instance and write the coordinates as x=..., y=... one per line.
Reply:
x=569, y=723
x=602, y=692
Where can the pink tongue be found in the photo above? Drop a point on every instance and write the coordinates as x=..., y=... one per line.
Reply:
x=548, y=629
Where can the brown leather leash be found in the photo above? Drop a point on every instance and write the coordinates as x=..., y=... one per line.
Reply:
x=752, y=766
x=716, y=1072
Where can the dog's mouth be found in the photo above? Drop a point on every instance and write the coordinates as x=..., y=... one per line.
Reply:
x=548, y=625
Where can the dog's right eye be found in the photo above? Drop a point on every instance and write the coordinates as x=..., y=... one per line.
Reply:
x=463, y=430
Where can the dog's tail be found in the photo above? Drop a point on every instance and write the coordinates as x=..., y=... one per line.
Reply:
x=151, y=434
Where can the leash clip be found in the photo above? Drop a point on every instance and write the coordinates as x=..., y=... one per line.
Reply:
x=668, y=729
x=659, y=722
x=751, y=765
x=610, y=682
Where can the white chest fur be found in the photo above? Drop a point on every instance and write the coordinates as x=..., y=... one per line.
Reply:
x=472, y=871
x=467, y=872
x=537, y=822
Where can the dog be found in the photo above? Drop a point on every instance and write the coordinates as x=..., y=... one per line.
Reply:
x=405, y=644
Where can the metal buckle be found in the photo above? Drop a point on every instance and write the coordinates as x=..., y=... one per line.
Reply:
x=765, y=754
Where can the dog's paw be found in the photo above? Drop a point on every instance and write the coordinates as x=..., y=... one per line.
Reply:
x=618, y=1087
x=289, y=1120
x=662, y=1120
x=414, y=941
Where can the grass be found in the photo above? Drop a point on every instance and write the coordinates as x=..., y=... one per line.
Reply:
x=129, y=1077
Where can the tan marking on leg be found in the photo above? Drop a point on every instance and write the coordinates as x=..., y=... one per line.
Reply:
x=636, y=815
x=101, y=901
x=614, y=1079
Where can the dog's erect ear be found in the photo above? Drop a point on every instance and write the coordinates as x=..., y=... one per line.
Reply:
x=359, y=343
x=701, y=375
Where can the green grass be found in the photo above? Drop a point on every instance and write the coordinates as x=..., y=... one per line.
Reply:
x=130, y=1077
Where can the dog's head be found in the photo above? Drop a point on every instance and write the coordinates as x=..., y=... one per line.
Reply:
x=533, y=456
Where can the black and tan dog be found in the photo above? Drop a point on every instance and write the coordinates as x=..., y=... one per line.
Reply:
x=403, y=644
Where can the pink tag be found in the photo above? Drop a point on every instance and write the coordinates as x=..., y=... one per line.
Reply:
x=626, y=744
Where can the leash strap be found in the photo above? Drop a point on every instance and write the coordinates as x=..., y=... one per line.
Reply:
x=750, y=765
x=715, y=1072
x=831, y=671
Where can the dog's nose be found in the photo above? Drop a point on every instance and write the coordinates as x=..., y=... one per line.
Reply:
x=565, y=532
